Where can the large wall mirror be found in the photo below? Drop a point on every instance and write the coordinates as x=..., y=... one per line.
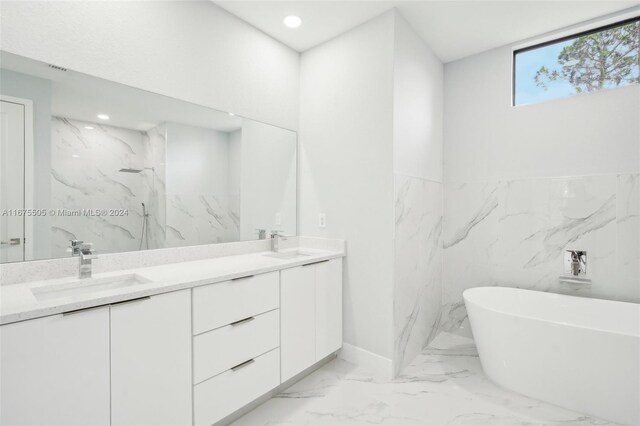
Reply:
x=88, y=159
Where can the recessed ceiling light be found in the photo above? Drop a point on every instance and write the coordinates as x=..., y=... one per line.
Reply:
x=75, y=156
x=103, y=116
x=231, y=114
x=292, y=21
x=89, y=127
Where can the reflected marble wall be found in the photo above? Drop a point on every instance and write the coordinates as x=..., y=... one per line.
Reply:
x=156, y=140
x=417, y=265
x=514, y=232
x=199, y=207
x=85, y=163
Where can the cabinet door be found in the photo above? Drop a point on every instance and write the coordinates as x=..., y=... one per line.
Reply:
x=328, y=307
x=151, y=361
x=55, y=370
x=297, y=317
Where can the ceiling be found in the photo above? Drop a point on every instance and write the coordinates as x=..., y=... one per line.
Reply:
x=82, y=97
x=453, y=29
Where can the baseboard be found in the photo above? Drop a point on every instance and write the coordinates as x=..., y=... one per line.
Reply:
x=377, y=364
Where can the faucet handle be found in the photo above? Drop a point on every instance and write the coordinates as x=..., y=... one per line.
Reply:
x=86, y=251
x=74, y=248
x=276, y=232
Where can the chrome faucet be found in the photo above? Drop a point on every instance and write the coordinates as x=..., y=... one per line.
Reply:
x=575, y=263
x=86, y=256
x=275, y=240
x=74, y=248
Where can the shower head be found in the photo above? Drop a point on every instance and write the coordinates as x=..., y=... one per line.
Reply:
x=127, y=170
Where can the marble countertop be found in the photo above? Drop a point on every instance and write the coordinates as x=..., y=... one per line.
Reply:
x=18, y=303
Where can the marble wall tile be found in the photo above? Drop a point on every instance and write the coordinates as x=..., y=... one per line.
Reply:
x=514, y=233
x=200, y=209
x=85, y=163
x=155, y=186
x=417, y=266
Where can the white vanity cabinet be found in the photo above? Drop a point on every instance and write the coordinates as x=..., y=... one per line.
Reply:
x=236, y=344
x=187, y=357
x=311, y=314
x=328, y=303
x=55, y=370
x=151, y=360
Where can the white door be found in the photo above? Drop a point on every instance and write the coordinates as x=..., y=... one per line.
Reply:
x=328, y=307
x=151, y=361
x=12, y=150
x=55, y=370
x=297, y=319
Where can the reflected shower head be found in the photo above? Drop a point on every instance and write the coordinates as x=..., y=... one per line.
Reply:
x=127, y=170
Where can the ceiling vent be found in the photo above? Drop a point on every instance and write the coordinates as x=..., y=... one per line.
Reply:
x=55, y=67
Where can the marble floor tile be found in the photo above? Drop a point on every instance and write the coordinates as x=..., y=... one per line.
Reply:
x=445, y=385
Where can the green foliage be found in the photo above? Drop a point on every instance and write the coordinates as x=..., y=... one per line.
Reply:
x=604, y=59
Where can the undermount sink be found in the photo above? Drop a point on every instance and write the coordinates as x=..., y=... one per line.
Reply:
x=288, y=254
x=79, y=287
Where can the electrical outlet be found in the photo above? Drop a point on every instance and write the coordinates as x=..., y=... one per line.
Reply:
x=322, y=220
x=278, y=219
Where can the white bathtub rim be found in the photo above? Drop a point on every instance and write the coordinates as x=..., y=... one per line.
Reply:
x=542, y=319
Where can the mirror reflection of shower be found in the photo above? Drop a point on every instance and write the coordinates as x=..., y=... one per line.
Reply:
x=144, y=233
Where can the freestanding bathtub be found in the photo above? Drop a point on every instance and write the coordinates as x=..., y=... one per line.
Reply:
x=579, y=353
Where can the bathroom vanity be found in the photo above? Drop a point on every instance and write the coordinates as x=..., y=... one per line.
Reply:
x=187, y=343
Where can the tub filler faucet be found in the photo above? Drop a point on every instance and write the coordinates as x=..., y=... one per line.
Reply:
x=575, y=267
x=577, y=262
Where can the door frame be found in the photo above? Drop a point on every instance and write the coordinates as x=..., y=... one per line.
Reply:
x=28, y=194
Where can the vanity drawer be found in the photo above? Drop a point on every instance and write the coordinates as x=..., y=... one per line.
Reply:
x=220, y=304
x=225, y=393
x=220, y=349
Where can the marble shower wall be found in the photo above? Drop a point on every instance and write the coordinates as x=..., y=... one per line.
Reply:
x=513, y=233
x=85, y=163
x=199, y=207
x=417, y=265
x=156, y=140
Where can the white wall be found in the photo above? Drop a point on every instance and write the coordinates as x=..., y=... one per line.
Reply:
x=268, y=179
x=487, y=138
x=417, y=148
x=191, y=50
x=417, y=96
x=526, y=183
x=346, y=170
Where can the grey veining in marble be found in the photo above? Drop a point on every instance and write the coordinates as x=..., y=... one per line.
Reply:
x=514, y=232
x=417, y=266
x=444, y=385
x=85, y=163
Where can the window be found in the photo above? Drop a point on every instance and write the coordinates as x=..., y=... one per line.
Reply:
x=599, y=59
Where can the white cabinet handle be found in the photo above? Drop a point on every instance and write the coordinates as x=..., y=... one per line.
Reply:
x=241, y=278
x=79, y=311
x=242, y=365
x=124, y=302
x=242, y=321
x=315, y=263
